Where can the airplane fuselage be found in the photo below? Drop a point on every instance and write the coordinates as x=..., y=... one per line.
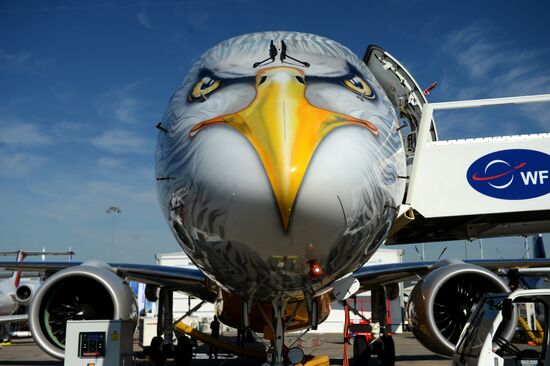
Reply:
x=278, y=170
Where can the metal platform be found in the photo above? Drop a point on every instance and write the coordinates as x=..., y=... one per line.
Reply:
x=453, y=191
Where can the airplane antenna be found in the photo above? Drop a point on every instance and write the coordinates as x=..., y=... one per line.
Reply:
x=430, y=88
x=499, y=253
x=165, y=178
x=402, y=126
x=44, y=254
x=159, y=126
x=70, y=254
x=272, y=54
x=440, y=255
x=418, y=252
x=285, y=56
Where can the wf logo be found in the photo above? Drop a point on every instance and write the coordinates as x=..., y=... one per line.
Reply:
x=511, y=174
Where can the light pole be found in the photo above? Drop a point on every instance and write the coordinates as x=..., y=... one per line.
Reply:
x=113, y=210
x=481, y=247
x=526, y=247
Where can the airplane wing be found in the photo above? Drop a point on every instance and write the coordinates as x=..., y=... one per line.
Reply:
x=13, y=318
x=195, y=283
x=385, y=274
x=189, y=280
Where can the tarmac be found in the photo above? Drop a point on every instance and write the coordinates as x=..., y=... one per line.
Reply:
x=409, y=352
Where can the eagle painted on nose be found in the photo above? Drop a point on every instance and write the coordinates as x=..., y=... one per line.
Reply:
x=276, y=138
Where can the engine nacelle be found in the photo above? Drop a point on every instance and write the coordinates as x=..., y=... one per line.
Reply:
x=25, y=292
x=441, y=303
x=87, y=292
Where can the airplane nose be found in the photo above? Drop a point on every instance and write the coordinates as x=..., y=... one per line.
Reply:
x=285, y=129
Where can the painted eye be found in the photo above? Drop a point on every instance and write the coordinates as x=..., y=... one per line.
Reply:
x=205, y=86
x=360, y=87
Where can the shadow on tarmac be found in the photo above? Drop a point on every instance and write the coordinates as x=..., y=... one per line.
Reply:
x=420, y=358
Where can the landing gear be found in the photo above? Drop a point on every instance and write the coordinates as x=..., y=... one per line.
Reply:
x=165, y=329
x=279, y=336
x=383, y=348
x=361, y=352
x=364, y=345
x=387, y=353
x=280, y=354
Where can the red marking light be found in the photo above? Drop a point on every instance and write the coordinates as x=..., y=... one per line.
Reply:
x=315, y=270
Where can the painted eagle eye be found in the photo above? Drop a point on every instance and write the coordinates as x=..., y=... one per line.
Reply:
x=360, y=87
x=205, y=86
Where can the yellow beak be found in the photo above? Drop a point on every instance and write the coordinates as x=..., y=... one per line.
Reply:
x=285, y=129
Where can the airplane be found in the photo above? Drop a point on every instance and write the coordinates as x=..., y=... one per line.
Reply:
x=15, y=291
x=283, y=163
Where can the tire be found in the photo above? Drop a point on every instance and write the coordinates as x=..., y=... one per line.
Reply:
x=361, y=353
x=387, y=356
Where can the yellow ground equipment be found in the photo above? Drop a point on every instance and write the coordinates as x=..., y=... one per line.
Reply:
x=218, y=343
x=539, y=337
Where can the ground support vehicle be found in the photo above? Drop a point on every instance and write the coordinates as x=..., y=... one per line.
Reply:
x=507, y=329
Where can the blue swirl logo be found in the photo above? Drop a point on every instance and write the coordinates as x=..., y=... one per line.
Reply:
x=515, y=174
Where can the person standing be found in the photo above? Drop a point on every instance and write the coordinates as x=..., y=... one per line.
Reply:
x=183, y=352
x=240, y=336
x=156, y=357
x=215, y=329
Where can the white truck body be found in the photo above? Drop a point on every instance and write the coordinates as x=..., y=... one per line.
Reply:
x=482, y=342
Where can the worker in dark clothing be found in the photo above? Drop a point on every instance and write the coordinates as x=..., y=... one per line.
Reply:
x=215, y=329
x=183, y=352
x=156, y=357
x=240, y=336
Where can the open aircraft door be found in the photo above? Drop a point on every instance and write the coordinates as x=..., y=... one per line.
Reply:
x=469, y=188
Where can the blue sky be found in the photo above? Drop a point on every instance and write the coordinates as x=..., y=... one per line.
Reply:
x=82, y=85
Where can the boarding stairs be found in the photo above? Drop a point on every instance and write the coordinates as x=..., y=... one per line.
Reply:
x=441, y=201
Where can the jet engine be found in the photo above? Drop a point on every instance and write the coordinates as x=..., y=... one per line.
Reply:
x=90, y=291
x=25, y=292
x=441, y=303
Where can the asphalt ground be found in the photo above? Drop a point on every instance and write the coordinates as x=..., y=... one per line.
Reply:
x=408, y=353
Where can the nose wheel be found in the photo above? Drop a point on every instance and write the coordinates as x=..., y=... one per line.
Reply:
x=277, y=357
x=279, y=354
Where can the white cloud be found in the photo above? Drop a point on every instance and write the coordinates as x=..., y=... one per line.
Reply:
x=193, y=17
x=127, y=108
x=473, y=50
x=499, y=68
x=109, y=163
x=122, y=104
x=70, y=132
x=121, y=142
x=55, y=204
x=15, y=132
x=23, y=61
x=125, y=192
x=524, y=79
x=19, y=163
x=477, y=49
x=143, y=19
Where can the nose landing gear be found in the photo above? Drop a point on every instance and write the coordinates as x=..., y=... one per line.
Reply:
x=280, y=354
x=365, y=343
